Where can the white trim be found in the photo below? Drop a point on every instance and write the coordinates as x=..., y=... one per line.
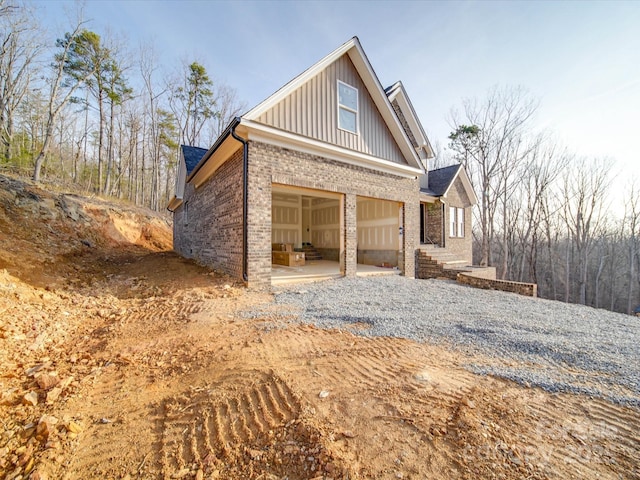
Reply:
x=174, y=203
x=348, y=109
x=453, y=224
x=425, y=197
x=221, y=154
x=466, y=183
x=372, y=84
x=460, y=222
x=399, y=93
x=292, y=85
x=281, y=138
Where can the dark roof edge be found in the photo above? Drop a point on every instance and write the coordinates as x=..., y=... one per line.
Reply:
x=227, y=131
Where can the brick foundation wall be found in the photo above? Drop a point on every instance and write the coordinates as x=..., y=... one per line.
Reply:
x=269, y=164
x=212, y=233
x=461, y=247
x=527, y=289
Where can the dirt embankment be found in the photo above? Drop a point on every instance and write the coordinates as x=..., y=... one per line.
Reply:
x=120, y=360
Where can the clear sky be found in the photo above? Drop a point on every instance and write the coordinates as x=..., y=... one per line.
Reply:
x=580, y=58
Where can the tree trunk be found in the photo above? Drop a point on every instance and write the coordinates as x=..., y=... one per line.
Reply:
x=43, y=151
x=100, y=140
x=107, y=185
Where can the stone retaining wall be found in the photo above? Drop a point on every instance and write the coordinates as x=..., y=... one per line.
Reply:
x=527, y=289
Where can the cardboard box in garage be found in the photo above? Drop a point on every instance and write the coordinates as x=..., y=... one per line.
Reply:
x=282, y=247
x=290, y=259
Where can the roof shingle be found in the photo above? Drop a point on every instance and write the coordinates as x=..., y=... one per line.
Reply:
x=192, y=155
x=440, y=179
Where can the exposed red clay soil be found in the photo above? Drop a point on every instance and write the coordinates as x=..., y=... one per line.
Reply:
x=121, y=360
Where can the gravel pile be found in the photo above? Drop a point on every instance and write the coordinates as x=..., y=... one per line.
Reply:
x=558, y=347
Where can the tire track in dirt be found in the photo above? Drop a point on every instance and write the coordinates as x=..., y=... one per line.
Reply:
x=217, y=424
x=161, y=311
x=591, y=435
x=230, y=426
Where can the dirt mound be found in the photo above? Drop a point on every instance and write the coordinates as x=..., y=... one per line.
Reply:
x=40, y=230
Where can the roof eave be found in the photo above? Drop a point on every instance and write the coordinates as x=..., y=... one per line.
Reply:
x=466, y=183
x=397, y=91
x=370, y=79
x=174, y=203
x=264, y=133
x=227, y=132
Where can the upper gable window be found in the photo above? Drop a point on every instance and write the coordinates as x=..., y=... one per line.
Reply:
x=347, y=107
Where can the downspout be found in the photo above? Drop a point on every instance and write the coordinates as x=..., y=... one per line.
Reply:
x=245, y=195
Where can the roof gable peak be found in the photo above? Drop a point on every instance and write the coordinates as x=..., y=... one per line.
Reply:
x=358, y=58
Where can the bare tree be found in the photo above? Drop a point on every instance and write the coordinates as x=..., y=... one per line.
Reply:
x=228, y=106
x=488, y=140
x=545, y=164
x=632, y=222
x=19, y=47
x=585, y=188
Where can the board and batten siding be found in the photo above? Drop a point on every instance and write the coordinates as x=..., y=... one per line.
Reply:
x=312, y=111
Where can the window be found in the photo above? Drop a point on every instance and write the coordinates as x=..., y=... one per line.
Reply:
x=456, y=222
x=186, y=213
x=460, y=219
x=452, y=221
x=347, y=107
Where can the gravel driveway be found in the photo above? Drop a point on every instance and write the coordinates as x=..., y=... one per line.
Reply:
x=556, y=346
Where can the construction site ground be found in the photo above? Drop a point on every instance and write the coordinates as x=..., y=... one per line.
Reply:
x=121, y=360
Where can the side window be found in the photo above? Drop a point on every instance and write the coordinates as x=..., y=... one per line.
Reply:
x=460, y=218
x=452, y=221
x=347, y=107
x=186, y=213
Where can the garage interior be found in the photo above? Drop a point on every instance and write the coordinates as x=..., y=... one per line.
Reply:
x=309, y=222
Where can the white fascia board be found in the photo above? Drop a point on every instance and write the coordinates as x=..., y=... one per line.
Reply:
x=399, y=93
x=466, y=183
x=223, y=152
x=308, y=74
x=281, y=138
x=370, y=79
x=174, y=203
x=181, y=177
x=467, y=186
x=425, y=197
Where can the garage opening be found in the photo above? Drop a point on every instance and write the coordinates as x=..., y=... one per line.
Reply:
x=306, y=234
x=380, y=235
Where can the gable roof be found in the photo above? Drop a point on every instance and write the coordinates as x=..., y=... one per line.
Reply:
x=192, y=156
x=441, y=179
x=398, y=93
x=356, y=54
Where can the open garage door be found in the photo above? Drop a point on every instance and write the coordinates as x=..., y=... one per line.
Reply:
x=379, y=232
x=306, y=234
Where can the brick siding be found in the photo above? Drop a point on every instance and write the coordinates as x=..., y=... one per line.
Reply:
x=269, y=164
x=527, y=289
x=212, y=233
x=461, y=247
